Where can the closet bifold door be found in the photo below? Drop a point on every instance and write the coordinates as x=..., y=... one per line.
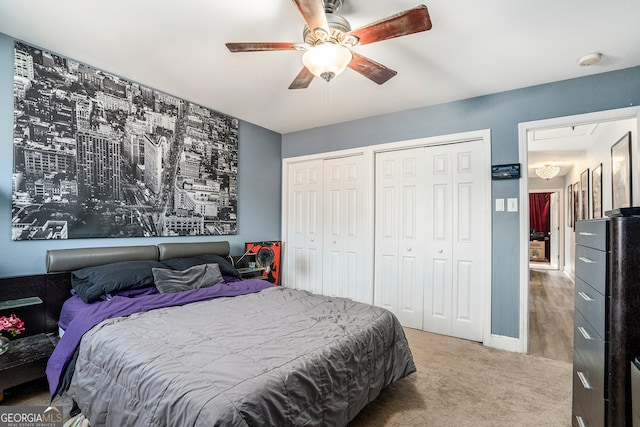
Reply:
x=400, y=234
x=429, y=235
x=304, y=231
x=344, y=226
x=455, y=264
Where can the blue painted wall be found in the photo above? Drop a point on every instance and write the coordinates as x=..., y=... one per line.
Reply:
x=259, y=187
x=261, y=152
x=501, y=113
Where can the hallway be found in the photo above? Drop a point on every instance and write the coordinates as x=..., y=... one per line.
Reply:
x=551, y=302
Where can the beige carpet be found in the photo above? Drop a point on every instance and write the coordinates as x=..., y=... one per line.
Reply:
x=458, y=383
x=462, y=383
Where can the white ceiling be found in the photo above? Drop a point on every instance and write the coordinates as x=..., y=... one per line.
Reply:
x=560, y=146
x=568, y=146
x=475, y=48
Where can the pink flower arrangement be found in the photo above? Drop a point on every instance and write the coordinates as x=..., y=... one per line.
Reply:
x=11, y=324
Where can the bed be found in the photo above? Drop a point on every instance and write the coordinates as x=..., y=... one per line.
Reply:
x=238, y=353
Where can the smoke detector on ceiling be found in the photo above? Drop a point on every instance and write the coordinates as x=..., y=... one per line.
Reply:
x=590, y=59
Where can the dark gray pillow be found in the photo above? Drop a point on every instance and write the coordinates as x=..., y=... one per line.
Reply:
x=199, y=276
x=90, y=283
x=187, y=262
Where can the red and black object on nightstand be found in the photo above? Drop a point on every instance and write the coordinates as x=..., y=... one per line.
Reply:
x=270, y=272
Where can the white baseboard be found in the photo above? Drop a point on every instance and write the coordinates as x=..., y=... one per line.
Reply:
x=569, y=275
x=503, y=342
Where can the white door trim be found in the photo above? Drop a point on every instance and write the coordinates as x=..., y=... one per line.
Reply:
x=523, y=129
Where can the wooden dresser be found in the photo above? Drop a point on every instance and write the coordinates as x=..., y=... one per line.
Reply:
x=606, y=320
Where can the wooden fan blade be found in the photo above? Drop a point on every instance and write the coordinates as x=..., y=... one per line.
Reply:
x=402, y=24
x=313, y=13
x=375, y=72
x=259, y=46
x=302, y=80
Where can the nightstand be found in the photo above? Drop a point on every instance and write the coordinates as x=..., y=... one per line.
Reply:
x=253, y=273
x=26, y=360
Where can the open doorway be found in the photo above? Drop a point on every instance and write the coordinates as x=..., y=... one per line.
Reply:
x=545, y=237
x=600, y=131
x=551, y=292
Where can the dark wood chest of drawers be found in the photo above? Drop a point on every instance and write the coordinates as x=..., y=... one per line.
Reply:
x=606, y=321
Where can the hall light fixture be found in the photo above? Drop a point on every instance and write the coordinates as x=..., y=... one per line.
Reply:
x=547, y=171
x=327, y=60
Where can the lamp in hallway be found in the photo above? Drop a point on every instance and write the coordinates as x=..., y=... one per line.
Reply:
x=547, y=171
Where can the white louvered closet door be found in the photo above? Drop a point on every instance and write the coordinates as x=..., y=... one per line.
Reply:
x=453, y=300
x=400, y=234
x=344, y=228
x=304, y=232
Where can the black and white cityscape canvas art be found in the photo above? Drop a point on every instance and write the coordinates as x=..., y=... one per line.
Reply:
x=96, y=155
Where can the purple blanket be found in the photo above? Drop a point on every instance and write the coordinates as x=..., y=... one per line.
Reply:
x=123, y=306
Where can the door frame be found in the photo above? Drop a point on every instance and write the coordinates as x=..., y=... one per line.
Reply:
x=523, y=129
x=369, y=158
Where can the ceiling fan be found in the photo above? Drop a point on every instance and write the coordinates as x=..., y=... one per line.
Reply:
x=329, y=41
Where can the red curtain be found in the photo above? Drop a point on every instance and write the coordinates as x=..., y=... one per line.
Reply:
x=539, y=212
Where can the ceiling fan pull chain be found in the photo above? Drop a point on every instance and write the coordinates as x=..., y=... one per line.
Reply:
x=326, y=93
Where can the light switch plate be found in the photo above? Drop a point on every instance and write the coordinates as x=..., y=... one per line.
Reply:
x=512, y=205
x=499, y=205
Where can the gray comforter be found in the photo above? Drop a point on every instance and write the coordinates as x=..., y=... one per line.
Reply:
x=279, y=357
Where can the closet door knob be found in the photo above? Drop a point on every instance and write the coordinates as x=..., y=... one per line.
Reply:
x=408, y=249
x=440, y=251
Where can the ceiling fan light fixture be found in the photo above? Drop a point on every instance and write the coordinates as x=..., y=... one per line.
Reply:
x=327, y=60
x=547, y=171
x=329, y=40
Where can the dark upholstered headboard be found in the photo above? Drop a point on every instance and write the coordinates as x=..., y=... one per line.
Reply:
x=53, y=288
x=72, y=259
x=38, y=299
x=179, y=250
